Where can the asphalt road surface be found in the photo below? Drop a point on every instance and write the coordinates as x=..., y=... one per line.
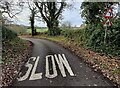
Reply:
x=53, y=65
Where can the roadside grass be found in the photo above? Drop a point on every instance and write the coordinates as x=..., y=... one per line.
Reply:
x=53, y=38
x=14, y=54
x=116, y=71
x=42, y=30
x=109, y=66
x=23, y=30
x=18, y=29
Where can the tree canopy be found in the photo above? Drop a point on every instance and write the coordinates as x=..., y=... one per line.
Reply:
x=93, y=12
x=50, y=13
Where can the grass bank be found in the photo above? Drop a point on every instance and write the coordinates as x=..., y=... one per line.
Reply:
x=42, y=30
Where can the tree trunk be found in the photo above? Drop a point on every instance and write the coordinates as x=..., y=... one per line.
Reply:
x=53, y=28
x=32, y=25
x=50, y=12
x=32, y=28
x=105, y=36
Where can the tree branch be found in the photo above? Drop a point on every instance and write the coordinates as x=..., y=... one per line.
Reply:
x=60, y=10
x=41, y=10
x=7, y=8
x=29, y=5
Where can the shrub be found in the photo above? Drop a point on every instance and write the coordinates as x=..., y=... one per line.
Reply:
x=8, y=34
x=92, y=36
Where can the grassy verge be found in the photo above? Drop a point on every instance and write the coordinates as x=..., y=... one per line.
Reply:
x=14, y=54
x=108, y=66
x=29, y=31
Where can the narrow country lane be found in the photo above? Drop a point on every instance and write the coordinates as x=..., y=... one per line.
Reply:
x=52, y=65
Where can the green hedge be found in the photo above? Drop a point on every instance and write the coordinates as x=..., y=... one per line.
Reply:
x=92, y=36
x=8, y=34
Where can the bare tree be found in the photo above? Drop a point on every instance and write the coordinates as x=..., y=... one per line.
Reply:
x=50, y=12
x=34, y=11
x=10, y=7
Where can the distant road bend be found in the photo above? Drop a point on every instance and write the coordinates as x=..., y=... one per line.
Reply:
x=52, y=65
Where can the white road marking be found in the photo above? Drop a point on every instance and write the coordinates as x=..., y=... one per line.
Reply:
x=28, y=71
x=61, y=67
x=37, y=75
x=63, y=61
x=95, y=85
x=89, y=85
x=86, y=78
x=48, y=75
x=62, y=64
x=81, y=66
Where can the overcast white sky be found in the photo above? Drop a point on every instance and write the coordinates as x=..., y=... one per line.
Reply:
x=72, y=15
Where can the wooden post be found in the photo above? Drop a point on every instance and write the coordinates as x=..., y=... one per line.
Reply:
x=105, y=35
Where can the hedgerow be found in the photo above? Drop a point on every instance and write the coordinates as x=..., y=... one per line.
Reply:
x=92, y=37
x=8, y=34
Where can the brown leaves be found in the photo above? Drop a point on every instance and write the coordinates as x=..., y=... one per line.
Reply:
x=109, y=66
x=14, y=57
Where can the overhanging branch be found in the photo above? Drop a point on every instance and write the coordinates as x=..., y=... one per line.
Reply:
x=41, y=10
x=60, y=10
